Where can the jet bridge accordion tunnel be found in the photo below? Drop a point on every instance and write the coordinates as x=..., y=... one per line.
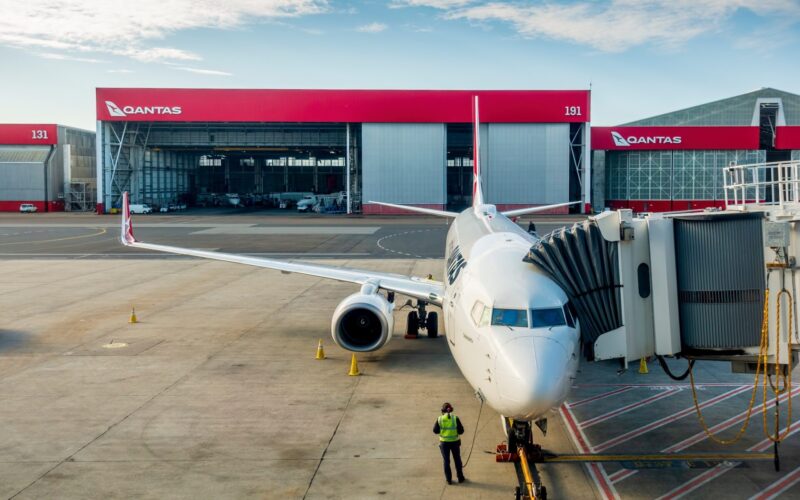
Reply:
x=691, y=284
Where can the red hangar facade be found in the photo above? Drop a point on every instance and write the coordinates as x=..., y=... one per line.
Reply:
x=413, y=147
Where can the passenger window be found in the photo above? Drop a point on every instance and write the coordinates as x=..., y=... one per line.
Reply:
x=510, y=317
x=545, y=318
x=477, y=312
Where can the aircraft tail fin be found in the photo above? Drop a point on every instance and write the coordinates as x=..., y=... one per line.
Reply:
x=477, y=190
x=126, y=235
x=421, y=210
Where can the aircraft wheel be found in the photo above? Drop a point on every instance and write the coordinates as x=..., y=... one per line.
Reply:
x=432, y=325
x=412, y=325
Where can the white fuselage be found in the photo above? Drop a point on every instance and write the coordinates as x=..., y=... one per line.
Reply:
x=501, y=317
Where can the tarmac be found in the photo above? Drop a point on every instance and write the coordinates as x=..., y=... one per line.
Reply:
x=215, y=393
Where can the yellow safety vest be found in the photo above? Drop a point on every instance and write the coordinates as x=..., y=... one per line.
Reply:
x=448, y=428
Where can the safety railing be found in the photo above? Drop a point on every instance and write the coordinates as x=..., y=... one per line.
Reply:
x=753, y=184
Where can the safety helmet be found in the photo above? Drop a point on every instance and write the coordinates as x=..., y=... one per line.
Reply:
x=447, y=408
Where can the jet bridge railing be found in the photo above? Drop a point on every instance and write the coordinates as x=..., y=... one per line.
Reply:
x=762, y=184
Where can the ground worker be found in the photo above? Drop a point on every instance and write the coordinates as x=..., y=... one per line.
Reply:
x=449, y=427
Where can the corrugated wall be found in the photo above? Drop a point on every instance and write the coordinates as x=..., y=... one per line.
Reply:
x=404, y=163
x=22, y=173
x=526, y=164
x=720, y=281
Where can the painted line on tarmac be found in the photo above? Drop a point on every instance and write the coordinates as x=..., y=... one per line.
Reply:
x=146, y=254
x=381, y=240
x=708, y=476
x=779, y=486
x=726, y=424
x=290, y=230
x=622, y=438
x=596, y=470
x=600, y=396
x=627, y=408
x=708, y=384
x=720, y=469
x=38, y=242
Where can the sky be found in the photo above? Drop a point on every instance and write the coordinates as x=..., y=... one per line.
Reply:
x=639, y=57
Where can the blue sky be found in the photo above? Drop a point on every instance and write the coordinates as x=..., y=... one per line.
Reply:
x=642, y=57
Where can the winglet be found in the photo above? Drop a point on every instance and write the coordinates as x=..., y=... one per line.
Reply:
x=126, y=236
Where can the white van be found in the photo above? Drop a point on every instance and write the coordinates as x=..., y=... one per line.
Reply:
x=141, y=208
x=27, y=208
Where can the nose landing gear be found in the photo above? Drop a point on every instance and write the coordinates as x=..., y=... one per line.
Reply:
x=525, y=454
x=421, y=318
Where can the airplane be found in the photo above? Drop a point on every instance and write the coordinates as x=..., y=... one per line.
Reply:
x=510, y=328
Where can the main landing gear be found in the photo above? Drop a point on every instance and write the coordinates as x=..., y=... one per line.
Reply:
x=421, y=318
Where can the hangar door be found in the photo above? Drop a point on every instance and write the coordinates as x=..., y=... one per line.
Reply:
x=526, y=164
x=404, y=163
x=22, y=173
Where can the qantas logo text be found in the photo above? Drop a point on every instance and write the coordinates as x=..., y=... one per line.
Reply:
x=115, y=110
x=653, y=139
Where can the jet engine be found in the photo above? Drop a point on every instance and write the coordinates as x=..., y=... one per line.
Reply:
x=363, y=322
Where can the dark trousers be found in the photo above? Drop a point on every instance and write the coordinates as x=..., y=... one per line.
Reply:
x=455, y=449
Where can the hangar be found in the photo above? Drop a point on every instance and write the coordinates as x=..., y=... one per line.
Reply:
x=674, y=161
x=49, y=166
x=400, y=146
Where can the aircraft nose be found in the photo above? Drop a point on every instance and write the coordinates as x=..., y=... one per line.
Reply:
x=531, y=375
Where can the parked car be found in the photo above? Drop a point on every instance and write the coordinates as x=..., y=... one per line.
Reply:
x=307, y=203
x=27, y=208
x=141, y=208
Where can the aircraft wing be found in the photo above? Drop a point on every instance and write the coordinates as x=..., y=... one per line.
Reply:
x=418, y=288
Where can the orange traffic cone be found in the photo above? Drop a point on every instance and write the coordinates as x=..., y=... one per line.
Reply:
x=133, y=316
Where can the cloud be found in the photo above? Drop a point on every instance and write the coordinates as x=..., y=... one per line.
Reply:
x=617, y=25
x=436, y=4
x=372, y=28
x=132, y=29
x=122, y=71
x=64, y=57
x=201, y=71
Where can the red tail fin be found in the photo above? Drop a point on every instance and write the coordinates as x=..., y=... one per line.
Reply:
x=477, y=191
x=127, y=236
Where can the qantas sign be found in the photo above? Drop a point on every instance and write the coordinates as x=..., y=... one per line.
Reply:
x=643, y=139
x=115, y=110
x=677, y=138
x=340, y=106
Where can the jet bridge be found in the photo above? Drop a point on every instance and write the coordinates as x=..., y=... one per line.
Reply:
x=714, y=284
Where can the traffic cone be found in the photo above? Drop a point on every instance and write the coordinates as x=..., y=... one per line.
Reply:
x=320, y=350
x=133, y=316
x=354, y=367
x=643, y=366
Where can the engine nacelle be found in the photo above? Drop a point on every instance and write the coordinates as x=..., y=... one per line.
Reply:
x=363, y=322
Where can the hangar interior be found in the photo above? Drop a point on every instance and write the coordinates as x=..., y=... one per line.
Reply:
x=162, y=163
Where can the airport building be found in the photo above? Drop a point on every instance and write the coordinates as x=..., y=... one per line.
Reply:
x=51, y=167
x=169, y=146
x=674, y=161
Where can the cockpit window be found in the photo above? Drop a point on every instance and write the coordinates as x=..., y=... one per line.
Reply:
x=510, y=317
x=568, y=313
x=544, y=318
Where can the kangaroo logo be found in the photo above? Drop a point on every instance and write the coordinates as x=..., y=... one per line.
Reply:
x=114, y=110
x=619, y=140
